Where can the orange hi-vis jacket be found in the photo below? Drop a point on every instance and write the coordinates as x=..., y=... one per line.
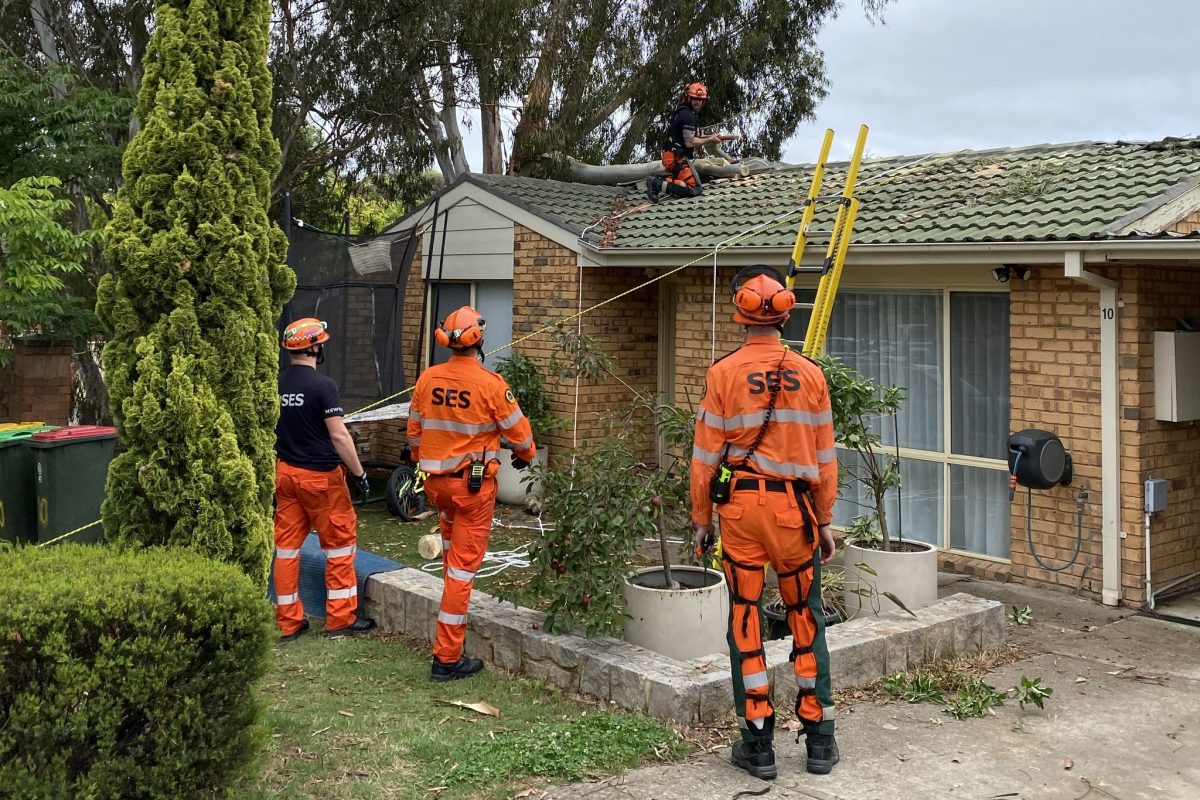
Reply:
x=459, y=412
x=798, y=443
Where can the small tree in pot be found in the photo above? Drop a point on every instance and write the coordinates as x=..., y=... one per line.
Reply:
x=857, y=401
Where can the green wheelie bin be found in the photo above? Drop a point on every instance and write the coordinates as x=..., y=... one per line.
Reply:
x=18, y=485
x=71, y=465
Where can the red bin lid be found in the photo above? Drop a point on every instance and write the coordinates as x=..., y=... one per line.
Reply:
x=74, y=432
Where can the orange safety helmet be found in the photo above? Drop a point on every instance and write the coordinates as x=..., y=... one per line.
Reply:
x=462, y=330
x=761, y=297
x=696, y=91
x=305, y=333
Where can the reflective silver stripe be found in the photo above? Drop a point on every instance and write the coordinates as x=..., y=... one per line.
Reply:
x=448, y=465
x=415, y=441
x=512, y=419
x=755, y=418
x=445, y=544
x=755, y=680
x=826, y=456
x=281, y=553
x=452, y=619
x=452, y=464
x=806, y=683
x=414, y=415
x=342, y=594
x=519, y=446
x=766, y=465
x=460, y=574
x=459, y=427
x=286, y=599
x=339, y=552
x=709, y=457
x=828, y=713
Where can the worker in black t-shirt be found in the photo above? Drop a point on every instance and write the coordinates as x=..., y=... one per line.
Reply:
x=681, y=180
x=314, y=452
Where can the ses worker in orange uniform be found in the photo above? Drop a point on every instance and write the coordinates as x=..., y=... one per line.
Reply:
x=459, y=412
x=764, y=457
x=314, y=452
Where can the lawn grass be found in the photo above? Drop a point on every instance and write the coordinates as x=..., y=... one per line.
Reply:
x=359, y=718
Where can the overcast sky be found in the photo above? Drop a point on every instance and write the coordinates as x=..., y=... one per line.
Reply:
x=941, y=75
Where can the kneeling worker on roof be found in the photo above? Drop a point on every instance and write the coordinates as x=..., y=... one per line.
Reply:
x=681, y=180
x=764, y=456
x=460, y=411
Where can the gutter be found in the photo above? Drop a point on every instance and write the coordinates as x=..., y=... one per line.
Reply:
x=1100, y=251
x=1110, y=431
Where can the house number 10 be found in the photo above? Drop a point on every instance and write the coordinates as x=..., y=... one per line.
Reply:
x=1108, y=312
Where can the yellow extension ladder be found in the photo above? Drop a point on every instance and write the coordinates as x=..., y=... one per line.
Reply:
x=839, y=243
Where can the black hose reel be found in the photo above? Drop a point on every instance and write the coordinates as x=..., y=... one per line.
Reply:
x=1038, y=460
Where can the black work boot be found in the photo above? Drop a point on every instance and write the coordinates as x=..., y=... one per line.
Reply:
x=653, y=187
x=822, y=753
x=296, y=634
x=756, y=755
x=356, y=628
x=463, y=668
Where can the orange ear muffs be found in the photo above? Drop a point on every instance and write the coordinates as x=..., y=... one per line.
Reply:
x=441, y=337
x=463, y=329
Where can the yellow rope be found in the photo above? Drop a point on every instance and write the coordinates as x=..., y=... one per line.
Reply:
x=69, y=533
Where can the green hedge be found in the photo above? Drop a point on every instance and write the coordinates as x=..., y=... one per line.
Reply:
x=127, y=674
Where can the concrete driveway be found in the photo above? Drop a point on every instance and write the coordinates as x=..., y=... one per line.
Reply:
x=1123, y=724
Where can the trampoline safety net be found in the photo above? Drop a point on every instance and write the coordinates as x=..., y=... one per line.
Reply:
x=356, y=284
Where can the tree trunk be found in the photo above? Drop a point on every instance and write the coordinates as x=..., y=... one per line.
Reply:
x=613, y=174
x=41, y=23
x=493, y=135
x=449, y=114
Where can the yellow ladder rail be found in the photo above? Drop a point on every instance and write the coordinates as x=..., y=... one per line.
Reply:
x=835, y=254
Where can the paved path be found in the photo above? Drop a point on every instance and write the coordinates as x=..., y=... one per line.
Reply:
x=1129, y=729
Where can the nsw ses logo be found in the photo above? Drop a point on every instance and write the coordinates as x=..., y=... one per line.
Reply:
x=762, y=381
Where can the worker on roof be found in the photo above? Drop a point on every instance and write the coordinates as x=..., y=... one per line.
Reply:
x=459, y=414
x=681, y=179
x=314, y=452
x=764, y=456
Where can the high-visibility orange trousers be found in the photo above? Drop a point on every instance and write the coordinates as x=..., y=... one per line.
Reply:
x=680, y=179
x=465, y=519
x=757, y=527
x=307, y=500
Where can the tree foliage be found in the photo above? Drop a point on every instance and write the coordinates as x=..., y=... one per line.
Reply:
x=197, y=282
x=37, y=251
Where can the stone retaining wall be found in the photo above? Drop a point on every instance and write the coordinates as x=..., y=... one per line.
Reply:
x=861, y=650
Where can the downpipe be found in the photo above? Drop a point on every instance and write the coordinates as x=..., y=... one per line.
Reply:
x=1110, y=441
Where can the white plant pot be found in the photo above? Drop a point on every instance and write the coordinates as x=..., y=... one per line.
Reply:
x=682, y=623
x=510, y=488
x=910, y=574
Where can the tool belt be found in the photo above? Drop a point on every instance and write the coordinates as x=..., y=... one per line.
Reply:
x=768, y=484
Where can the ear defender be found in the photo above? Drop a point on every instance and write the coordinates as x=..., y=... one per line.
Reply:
x=460, y=338
x=767, y=295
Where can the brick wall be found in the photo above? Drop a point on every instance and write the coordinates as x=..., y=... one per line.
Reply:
x=1170, y=450
x=1055, y=358
x=39, y=387
x=545, y=289
x=1056, y=386
x=694, y=329
x=1189, y=224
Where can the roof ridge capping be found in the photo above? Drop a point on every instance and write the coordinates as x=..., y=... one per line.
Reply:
x=1168, y=143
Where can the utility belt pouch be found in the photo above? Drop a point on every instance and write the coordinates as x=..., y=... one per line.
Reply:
x=475, y=474
x=721, y=483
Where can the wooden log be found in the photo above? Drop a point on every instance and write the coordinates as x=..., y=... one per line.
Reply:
x=613, y=174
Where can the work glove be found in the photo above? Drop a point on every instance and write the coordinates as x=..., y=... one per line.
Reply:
x=364, y=483
x=518, y=462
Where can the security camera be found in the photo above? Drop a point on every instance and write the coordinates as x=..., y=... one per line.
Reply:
x=1000, y=274
x=1018, y=272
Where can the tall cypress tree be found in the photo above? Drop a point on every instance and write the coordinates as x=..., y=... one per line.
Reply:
x=198, y=279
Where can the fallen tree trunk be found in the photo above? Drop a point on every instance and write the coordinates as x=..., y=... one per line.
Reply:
x=613, y=174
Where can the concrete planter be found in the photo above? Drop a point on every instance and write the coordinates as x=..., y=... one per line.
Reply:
x=510, y=488
x=909, y=573
x=681, y=623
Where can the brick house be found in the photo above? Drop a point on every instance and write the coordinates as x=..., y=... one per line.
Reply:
x=1098, y=246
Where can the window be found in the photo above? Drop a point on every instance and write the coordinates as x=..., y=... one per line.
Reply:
x=952, y=430
x=493, y=301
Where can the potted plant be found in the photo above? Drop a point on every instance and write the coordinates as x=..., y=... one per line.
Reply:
x=528, y=386
x=882, y=569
